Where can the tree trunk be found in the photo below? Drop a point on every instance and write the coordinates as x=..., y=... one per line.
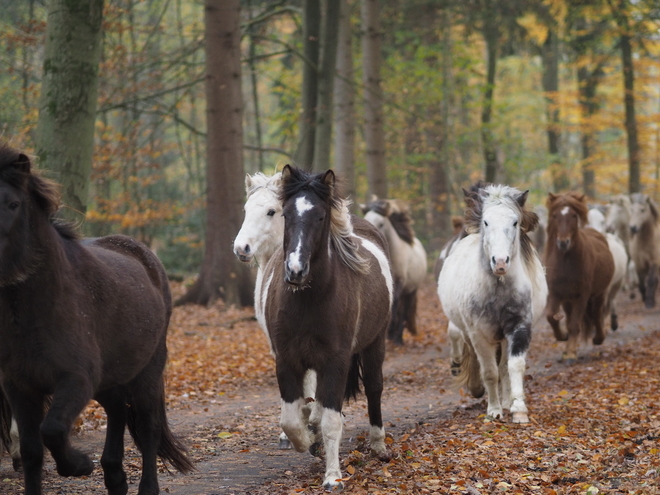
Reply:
x=374, y=132
x=323, y=131
x=345, y=104
x=221, y=274
x=587, y=84
x=491, y=34
x=67, y=109
x=550, y=80
x=634, y=182
x=255, y=94
x=304, y=155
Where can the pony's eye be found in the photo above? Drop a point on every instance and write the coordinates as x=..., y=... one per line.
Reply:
x=485, y=223
x=515, y=224
x=13, y=205
x=271, y=212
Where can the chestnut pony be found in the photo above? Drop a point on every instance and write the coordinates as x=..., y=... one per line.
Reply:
x=579, y=269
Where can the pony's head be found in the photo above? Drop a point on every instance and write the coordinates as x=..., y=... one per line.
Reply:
x=23, y=195
x=307, y=203
x=618, y=214
x=263, y=227
x=498, y=213
x=391, y=217
x=567, y=213
x=643, y=211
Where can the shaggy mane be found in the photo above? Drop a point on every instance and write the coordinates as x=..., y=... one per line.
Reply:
x=261, y=181
x=574, y=200
x=44, y=192
x=341, y=228
x=399, y=214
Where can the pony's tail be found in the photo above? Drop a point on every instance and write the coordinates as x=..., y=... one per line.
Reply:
x=469, y=375
x=170, y=449
x=354, y=377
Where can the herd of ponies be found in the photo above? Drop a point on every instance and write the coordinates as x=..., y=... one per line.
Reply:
x=87, y=318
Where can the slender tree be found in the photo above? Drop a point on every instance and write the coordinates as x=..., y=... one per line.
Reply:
x=67, y=109
x=326, y=82
x=221, y=275
x=304, y=155
x=374, y=131
x=491, y=32
x=344, y=101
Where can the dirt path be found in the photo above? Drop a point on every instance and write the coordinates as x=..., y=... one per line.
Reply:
x=233, y=438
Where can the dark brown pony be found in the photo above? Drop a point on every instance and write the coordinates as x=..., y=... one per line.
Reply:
x=579, y=268
x=328, y=294
x=79, y=320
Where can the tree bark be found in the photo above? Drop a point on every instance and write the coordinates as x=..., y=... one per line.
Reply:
x=550, y=81
x=326, y=82
x=374, y=132
x=491, y=35
x=304, y=155
x=67, y=108
x=634, y=181
x=345, y=104
x=587, y=85
x=222, y=275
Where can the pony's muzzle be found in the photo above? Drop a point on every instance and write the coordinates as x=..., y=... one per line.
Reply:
x=563, y=244
x=500, y=265
x=294, y=276
x=633, y=229
x=243, y=253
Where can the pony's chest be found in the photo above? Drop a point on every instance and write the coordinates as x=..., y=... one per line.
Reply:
x=501, y=303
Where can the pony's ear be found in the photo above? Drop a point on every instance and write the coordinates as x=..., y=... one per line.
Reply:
x=466, y=193
x=329, y=179
x=374, y=197
x=582, y=198
x=286, y=172
x=522, y=198
x=551, y=199
x=248, y=182
x=363, y=208
x=653, y=207
x=22, y=163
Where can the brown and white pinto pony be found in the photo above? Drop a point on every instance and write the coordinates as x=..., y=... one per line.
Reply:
x=579, y=268
x=645, y=245
x=327, y=296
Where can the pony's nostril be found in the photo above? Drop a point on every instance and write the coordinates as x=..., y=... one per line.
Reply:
x=247, y=248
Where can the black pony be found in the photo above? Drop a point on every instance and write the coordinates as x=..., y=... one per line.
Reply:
x=79, y=320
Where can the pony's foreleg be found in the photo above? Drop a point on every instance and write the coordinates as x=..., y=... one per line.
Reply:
x=71, y=395
x=599, y=305
x=456, y=343
x=575, y=315
x=486, y=354
x=651, y=286
x=517, y=346
x=294, y=412
x=309, y=392
x=332, y=426
x=29, y=413
x=553, y=316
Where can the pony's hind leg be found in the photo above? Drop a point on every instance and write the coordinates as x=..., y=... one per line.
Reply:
x=71, y=395
x=114, y=403
x=651, y=286
x=553, y=316
x=456, y=352
x=372, y=377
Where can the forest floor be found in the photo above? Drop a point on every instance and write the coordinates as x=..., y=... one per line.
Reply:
x=595, y=425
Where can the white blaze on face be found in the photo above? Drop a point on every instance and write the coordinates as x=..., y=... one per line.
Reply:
x=302, y=205
x=565, y=210
x=294, y=262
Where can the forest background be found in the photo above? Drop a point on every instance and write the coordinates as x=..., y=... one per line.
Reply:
x=425, y=97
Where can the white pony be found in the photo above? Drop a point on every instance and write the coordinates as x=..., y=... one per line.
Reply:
x=492, y=288
x=408, y=260
x=597, y=221
x=617, y=222
x=645, y=244
x=260, y=236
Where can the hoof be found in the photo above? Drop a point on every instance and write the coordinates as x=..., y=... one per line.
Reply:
x=17, y=464
x=520, y=417
x=598, y=339
x=315, y=449
x=79, y=464
x=333, y=486
x=455, y=368
x=614, y=323
x=569, y=359
x=385, y=456
x=285, y=444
